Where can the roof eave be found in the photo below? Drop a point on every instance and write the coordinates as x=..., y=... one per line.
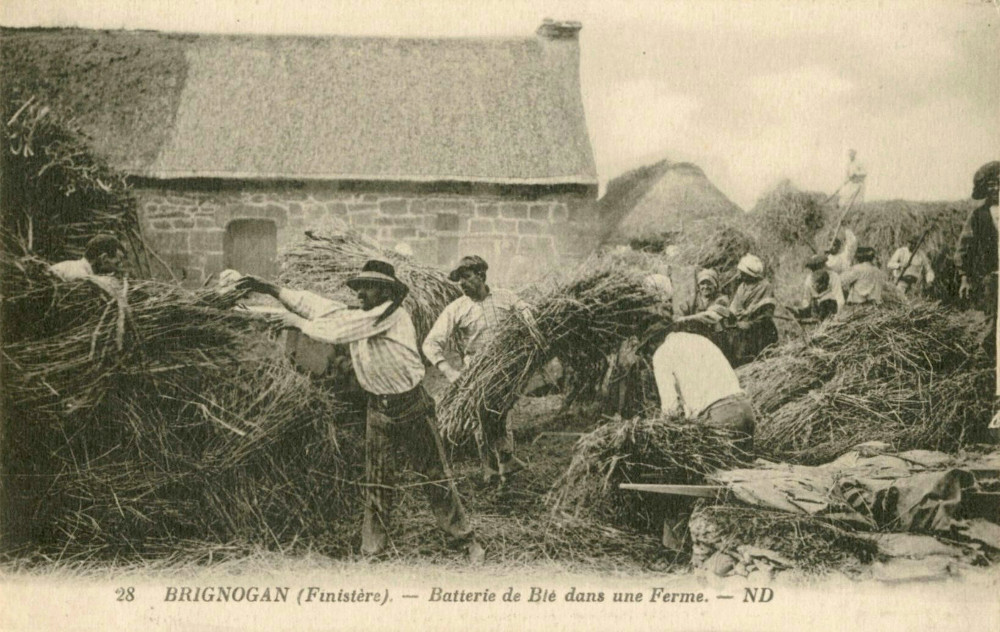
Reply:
x=322, y=177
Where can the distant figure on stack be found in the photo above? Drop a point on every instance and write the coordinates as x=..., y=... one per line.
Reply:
x=705, y=311
x=977, y=250
x=471, y=321
x=852, y=193
x=400, y=415
x=840, y=256
x=102, y=256
x=822, y=293
x=752, y=309
x=911, y=268
x=863, y=282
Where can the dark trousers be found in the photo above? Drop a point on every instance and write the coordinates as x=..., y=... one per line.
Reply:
x=407, y=422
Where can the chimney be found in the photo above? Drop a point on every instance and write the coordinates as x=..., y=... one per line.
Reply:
x=550, y=29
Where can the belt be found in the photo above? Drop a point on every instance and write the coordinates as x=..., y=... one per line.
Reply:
x=728, y=399
x=398, y=404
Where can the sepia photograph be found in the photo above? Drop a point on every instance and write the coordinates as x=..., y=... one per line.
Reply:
x=540, y=315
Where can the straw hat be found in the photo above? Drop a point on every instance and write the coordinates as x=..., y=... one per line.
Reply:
x=378, y=272
x=659, y=284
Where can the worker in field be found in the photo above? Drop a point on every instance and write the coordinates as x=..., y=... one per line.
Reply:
x=751, y=312
x=706, y=309
x=471, y=321
x=102, y=256
x=863, y=283
x=400, y=413
x=911, y=268
x=977, y=250
x=852, y=193
x=696, y=381
x=822, y=295
x=840, y=255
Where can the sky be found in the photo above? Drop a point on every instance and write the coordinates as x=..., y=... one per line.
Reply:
x=751, y=92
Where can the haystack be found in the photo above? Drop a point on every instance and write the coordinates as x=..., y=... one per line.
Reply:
x=655, y=450
x=909, y=375
x=323, y=263
x=580, y=321
x=649, y=206
x=139, y=415
x=57, y=194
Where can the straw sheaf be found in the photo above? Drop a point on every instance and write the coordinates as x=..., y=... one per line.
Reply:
x=580, y=320
x=911, y=376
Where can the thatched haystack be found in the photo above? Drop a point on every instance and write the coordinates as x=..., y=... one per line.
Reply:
x=909, y=375
x=580, y=320
x=655, y=450
x=323, y=263
x=649, y=206
x=139, y=415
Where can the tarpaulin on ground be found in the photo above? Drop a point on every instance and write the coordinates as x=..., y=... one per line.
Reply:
x=911, y=491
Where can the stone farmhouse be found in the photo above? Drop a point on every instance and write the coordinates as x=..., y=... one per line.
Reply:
x=236, y=145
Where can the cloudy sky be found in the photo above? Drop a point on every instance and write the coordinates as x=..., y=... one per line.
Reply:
x=751, y=92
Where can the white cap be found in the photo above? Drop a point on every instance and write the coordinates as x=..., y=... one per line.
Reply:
x=403, y=248
x=751, y=265
x=659, y=284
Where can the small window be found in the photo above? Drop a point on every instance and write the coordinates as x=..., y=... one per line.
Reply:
x=251, y=247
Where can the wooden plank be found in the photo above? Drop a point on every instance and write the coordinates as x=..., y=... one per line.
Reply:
x=699, y=491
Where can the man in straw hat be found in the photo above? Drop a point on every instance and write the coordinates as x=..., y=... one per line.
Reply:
x=977, y=249
x=383, y=346
x=471, y=321
x=865, y=280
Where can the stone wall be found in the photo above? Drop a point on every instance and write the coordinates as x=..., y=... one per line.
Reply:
x=520, y=238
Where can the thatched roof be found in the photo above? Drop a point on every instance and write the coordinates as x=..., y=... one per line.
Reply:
x=647, y=202
x=504, y=110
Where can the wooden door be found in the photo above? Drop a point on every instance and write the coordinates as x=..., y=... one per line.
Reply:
x=251, y=247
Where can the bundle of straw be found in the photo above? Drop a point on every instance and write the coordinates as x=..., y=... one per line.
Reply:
x=57, y=192
x=142, y=413
x=911, y=376
x=810, y=544
x=580, y=320
x=323, y=263
x=660, y=450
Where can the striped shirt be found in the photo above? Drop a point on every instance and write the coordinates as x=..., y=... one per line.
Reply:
x=472, y=324
x=385, y=356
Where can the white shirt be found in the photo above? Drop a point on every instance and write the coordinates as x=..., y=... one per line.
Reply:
x=471, y=323
x=843, y=260
x=692, y=373
x=384, y=355
x=72, y=270
x=833, y=291
x=919, y=266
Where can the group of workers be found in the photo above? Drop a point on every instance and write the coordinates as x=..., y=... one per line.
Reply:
x=694, y=378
